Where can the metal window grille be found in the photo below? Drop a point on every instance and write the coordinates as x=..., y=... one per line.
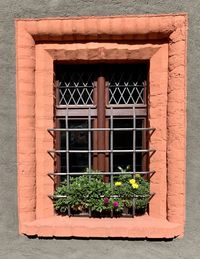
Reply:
x=127, y=86
x=75, y=86
x=77, y=127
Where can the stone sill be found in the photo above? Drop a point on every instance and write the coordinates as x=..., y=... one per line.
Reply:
x=138, y=227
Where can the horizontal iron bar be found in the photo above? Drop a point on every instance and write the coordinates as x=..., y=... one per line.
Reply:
x=101, y=129
x=74, y=106
x=93, y=86
x=112, y=196
x=81, y=111
x=108, y=106
x=103, y=173
x=125, y=86
x=74, y=87
x=126, y=105
x=103, y=151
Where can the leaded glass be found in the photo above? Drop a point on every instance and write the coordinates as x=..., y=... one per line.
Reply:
x=75, y=85
x=127, y=84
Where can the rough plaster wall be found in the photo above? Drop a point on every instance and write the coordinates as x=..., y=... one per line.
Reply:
x=13, y=246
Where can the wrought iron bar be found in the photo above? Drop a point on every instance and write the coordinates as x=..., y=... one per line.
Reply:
x=89, y=148
x=75, y=87
x=67, y=156
x=111, y=146
x=125, y=86
x=134, y=141
x=89, y=141
x=102, y=173
x=112, y=196
x=104, y=151
x=102, y=129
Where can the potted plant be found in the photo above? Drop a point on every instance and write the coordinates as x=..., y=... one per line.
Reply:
x=88, y=193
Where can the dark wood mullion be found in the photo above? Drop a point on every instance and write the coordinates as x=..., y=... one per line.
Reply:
x=101, y=123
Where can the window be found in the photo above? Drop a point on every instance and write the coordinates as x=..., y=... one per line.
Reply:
x=101, y=121
x=40, y=43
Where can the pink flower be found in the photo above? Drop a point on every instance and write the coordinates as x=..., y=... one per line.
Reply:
x=106, y=200
x=115, y=204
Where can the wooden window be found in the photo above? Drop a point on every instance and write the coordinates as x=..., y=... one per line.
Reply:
x=101, y=97
x=101, y=120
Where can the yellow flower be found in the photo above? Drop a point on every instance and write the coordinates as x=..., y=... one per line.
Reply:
x=118, y=183
x=132, y=181
x=135, y=186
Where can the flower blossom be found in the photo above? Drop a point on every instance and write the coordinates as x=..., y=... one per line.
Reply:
x=115, y=204
x=106, y=200
x=118, y=183
x=132, y=181
x=135, y=186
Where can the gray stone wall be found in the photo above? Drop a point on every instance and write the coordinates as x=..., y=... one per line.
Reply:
x=14, y=246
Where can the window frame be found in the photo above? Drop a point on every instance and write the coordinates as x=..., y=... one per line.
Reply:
x=33, y=113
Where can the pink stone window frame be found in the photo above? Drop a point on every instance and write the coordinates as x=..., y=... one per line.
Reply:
x=161, y=39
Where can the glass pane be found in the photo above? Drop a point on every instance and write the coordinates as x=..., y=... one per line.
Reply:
x=76, y=84
x=78, y=140
x=123, y=140
x=62, y=143
x=127, y=83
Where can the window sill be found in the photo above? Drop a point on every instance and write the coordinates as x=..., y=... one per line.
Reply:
x=138, y=227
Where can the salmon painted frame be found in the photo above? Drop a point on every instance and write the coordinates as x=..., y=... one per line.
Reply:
x=161, y=39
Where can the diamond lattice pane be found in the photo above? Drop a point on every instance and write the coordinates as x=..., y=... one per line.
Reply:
x=76, y=84
x=127, y=84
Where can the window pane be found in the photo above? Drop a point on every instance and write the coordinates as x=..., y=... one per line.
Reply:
x=78, y=140
x=62, y=140
x=127, y=83
x=76, y=84
x=123, y=140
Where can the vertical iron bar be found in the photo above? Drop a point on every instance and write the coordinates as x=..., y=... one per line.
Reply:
x=67, y=155
x=57, y=144
x=134, y=142
x=134, y=154
x=89, y=140
x=89, y=149
x=144, y=133
x=144, y=145
x=111, y=152
x=57, y=140
x=111, y=146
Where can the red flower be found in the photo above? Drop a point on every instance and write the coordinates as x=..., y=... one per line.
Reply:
x=106, y=200
x=115, y=204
